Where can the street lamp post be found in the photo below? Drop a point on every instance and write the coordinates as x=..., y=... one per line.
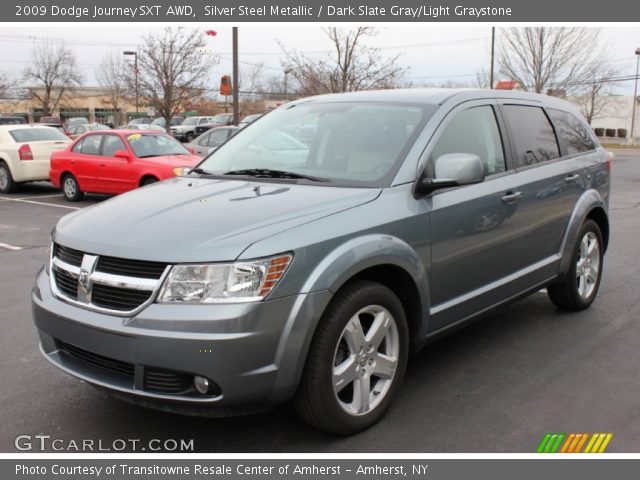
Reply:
x=286, y=74
x=135, y=66
x=635, y=95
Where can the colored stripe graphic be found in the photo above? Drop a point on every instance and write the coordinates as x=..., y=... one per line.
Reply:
x=573, y=442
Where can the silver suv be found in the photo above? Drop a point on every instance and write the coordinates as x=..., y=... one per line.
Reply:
x=312, y=252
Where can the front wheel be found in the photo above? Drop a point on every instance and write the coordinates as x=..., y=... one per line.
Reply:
x=357, y=360
x=580, y=287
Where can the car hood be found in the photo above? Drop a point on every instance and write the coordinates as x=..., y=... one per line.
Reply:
x=200, y=220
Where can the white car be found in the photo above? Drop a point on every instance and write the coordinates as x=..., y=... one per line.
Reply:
x=25, y=152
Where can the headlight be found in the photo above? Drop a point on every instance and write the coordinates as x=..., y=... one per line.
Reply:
x=236, y=282
x=181, y=171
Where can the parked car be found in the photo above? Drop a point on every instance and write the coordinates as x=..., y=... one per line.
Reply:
x=160, y=122
x=8, y=120
x=117, y=161
x=249, y=119
x=141, y=121
x=212, y=139
x=48, y=119
x=258, y=279
x=76, y=130
x=186, y=131
x=24, y=153
x=220, y=120
x=137, y=126
x=57, y=126
x=70, y=122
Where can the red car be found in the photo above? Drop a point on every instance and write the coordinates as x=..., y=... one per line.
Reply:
x=117, y=161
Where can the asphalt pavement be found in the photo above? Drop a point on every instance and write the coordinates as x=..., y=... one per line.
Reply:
x=496, y=386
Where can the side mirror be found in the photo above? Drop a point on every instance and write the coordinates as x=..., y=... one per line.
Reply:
x=191, y=150
x=122, y=154
x=451, y=170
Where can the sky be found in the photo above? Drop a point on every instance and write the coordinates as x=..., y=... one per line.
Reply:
x=433, y=54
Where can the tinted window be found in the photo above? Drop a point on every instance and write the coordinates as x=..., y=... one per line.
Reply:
x=217, y=138
x=572, y=131
x=91, y=145
x=533, y=136
x=78, y=146
x=37, y=134
x=474, y=131
x=155, y=145
x=112, y=143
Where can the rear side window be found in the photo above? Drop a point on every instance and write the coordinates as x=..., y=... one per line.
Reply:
x=533, y=136
x=572, y=132
x=37, y=134
x=90, y=145
x=474, y=131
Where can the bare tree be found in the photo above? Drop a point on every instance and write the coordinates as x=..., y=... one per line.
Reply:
x=51, y=73
x=595, y=94
x=112, y=77
x=350, y=66
x=548, y=58
x=7, y=84
x=172, y=71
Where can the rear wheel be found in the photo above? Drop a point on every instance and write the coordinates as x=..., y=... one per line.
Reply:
x=71, y=188
x=356, y=361
x=580, y=287
x=7, y=185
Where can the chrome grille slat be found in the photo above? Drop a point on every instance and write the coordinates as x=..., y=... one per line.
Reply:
x=108, y=284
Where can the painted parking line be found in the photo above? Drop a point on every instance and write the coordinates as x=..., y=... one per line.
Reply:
x=34, y=197
x=19, y=200
x=9, y=247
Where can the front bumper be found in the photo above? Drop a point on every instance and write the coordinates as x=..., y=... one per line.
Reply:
x=254, y=352
x=180, y=135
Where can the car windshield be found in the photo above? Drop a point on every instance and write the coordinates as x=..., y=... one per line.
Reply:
x=95, y=128
x=146, y=145
x=37, y=134
x=250, y=118
x=158, y=121
x=190, y=121
x=220, y=118
x=139, y=121
x=354, y=144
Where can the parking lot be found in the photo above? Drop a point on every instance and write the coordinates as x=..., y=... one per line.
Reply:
x=497, y=386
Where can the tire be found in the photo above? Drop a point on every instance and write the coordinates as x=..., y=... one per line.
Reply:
x=7, y=185
x=344, y=346
x=579, y=288
x=71, y=188
x=148, y=181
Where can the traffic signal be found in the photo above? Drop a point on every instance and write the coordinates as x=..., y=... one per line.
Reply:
x=225, y=85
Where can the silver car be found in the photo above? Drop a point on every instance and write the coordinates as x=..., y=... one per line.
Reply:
x=308, y=269
x=212, y=139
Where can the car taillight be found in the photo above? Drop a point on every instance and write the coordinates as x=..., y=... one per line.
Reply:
x=609, y=161
x=25, y=152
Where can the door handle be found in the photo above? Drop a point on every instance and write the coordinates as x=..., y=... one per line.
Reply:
x=511, y=197
x=571, y=178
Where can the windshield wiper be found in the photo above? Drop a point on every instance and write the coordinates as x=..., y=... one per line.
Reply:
x=199, y=171
x=269, y=173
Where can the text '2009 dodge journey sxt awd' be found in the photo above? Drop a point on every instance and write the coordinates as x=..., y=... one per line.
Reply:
x=308, y=255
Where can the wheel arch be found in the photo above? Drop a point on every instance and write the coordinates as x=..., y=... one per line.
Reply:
x=592, y=206
x=147, y=176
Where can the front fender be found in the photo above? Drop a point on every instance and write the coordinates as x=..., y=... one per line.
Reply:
x=330, y=274
x=588, y=201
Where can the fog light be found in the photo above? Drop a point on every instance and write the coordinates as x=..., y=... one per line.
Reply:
x=201, y=384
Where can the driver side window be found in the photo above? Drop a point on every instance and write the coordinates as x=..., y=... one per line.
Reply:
x=474, y=131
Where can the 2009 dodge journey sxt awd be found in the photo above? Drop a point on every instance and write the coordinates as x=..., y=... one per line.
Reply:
x=308, y=255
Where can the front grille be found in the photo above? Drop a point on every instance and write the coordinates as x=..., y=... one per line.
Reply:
x=107, y=364
x=132, y=284
x=166, y=381
x=66, y=283
x=116, y=298
x=68, y=255
x=131, y=268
